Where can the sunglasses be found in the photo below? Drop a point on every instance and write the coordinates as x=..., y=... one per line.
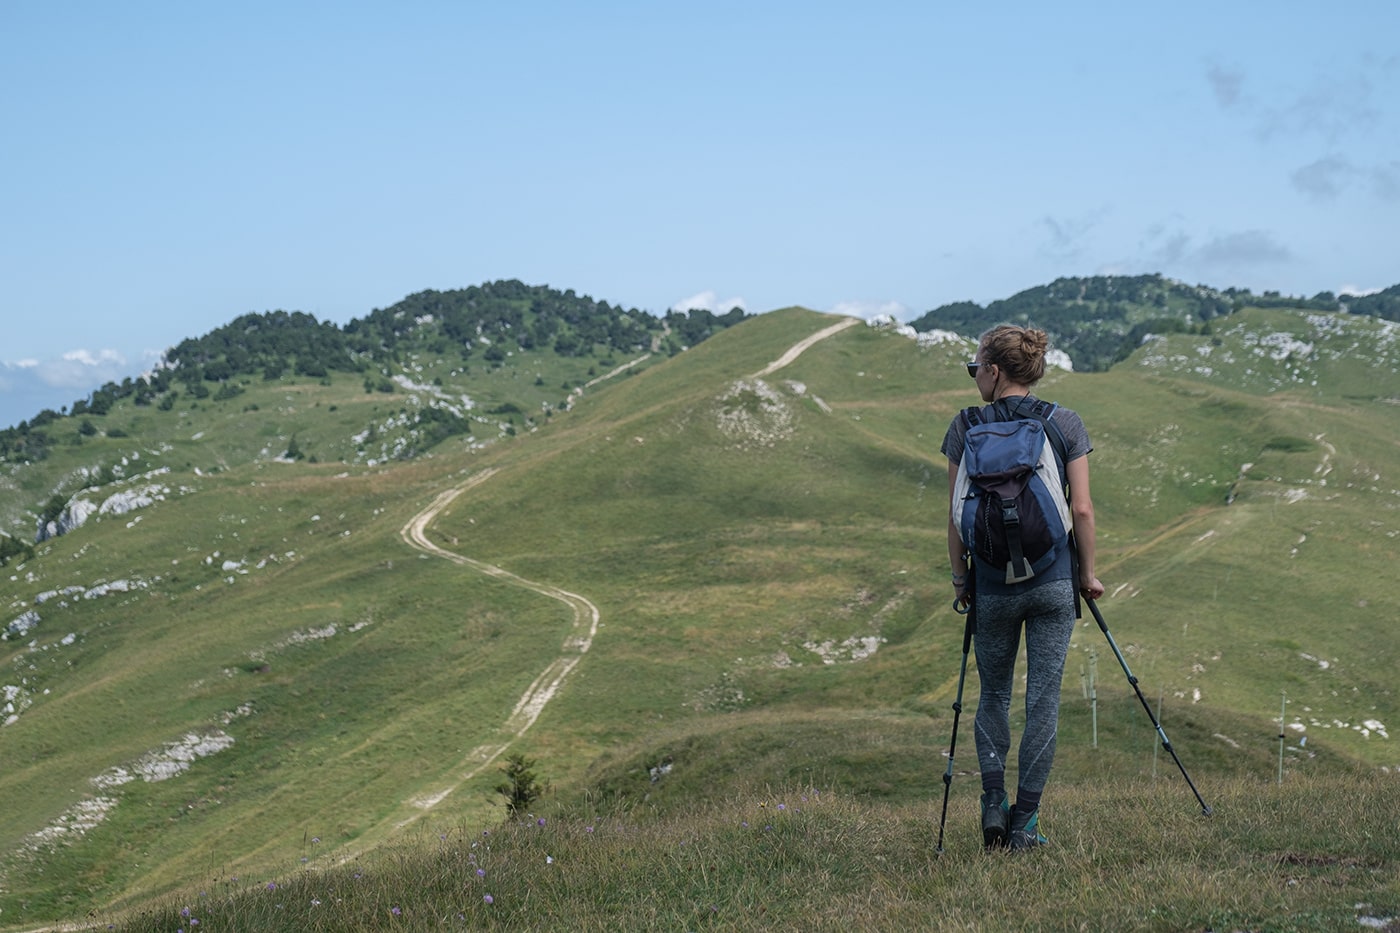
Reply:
x=973, y=367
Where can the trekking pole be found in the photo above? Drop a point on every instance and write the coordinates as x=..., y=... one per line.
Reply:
x=1166, y=743
x=968, y=629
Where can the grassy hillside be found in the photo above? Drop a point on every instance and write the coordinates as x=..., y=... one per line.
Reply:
x=766, y=558
x=469, y=365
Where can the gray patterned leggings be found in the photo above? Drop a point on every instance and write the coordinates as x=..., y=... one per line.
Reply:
x=1047, y=611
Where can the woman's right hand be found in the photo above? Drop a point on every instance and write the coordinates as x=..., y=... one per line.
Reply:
x=962, y=594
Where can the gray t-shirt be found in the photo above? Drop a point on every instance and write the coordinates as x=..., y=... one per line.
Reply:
x=1070, y=424
x=1076, y=445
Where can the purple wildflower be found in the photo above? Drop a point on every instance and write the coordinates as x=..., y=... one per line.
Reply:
x=489, y=899
x=395, y=911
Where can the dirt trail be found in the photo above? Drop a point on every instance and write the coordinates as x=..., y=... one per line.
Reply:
x=586, y=617
x=798, y=348
x=547, y=684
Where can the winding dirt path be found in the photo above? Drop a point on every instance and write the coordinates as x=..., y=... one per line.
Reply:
x=586, y=616
x=547, y=684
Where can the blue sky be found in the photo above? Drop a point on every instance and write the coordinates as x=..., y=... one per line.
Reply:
x=165, y=167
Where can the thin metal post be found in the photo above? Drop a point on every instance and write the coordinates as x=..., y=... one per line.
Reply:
x=1094, y=692
x=1166, y=743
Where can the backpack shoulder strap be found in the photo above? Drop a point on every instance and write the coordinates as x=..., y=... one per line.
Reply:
x=1044, y=412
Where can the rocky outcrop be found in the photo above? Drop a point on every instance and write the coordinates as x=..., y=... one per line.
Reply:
x=73, y=516
x=80, y=509
x=21, y=626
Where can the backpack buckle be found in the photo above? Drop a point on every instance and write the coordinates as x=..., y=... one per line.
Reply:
x=1018, y=576
x=1018, y=568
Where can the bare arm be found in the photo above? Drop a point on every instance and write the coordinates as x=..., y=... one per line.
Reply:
x=1082, y=506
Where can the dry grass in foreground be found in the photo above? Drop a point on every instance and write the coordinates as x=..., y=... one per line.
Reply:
x=1309, y=855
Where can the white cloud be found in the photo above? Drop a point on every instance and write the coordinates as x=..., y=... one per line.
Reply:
x=81, y=369
x=88, y=358
x=708, y=301
x=30, y=385
x=74, y=368
x=1358, y=291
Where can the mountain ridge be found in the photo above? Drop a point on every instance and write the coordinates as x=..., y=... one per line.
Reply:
x=1099, y=320
x=763, y=553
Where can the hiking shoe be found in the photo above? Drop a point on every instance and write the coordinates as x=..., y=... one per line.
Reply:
x=996, y=816
x=1024, y=831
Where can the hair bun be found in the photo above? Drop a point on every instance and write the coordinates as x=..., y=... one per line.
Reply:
x=1019, y=351
x=1034, y=341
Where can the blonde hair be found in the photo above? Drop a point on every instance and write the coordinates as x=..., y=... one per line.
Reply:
x=1019, y=351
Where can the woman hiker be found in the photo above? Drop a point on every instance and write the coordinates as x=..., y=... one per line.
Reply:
x=1010, y=360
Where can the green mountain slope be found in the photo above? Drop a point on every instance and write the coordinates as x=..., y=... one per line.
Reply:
x=470, y=365
x=764, y=548
x=1099, y=320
